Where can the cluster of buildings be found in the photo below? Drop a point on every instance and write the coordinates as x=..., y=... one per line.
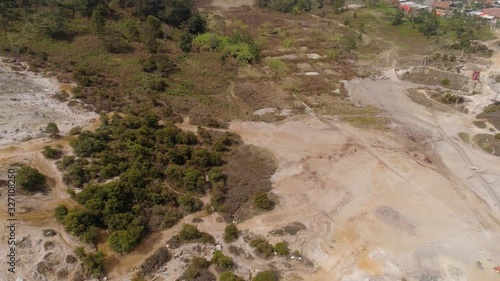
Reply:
x=442, y=8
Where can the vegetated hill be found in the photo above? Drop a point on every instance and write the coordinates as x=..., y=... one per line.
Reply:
x=128, y=56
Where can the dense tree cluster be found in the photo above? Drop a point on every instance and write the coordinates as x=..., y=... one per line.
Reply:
x=153, y=175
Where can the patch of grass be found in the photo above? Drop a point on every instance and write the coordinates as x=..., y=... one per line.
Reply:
x=277, y=66
x=465, y=137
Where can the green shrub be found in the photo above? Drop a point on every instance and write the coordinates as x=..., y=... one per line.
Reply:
x=281, y=248
x=222, y=261
x=239, y=46
x=52, y=129
x=52, y=153
x=230, y=233
x=229, y=276
x=265, y=276
x=445, y=82
x=30, y=179
x=60, y=213
x=261, y=201
x=262, y=247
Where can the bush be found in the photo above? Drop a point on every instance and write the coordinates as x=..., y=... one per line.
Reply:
x=190, y=233
x=94, y=264
x=262, y=247
x=52, y=153
x=265, y=276
x=60, y=213
x=239, y=46
x=261, y=201
x=445, y=82
x=198, y=270
x=52, y=129
x=229, y=276
x=230, y=233
x=281, y=248
x=30, y=179
x=222, y=261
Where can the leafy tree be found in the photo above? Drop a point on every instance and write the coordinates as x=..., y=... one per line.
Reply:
x=190, y=203
x=60, y=213
x=91, y=235
x=98, y=22
x=78, y=221
x=52, y=129
x=186, y=41
x=124, y=240
x=194, y=180
x=30, y=179
x=222, y=261
x=265, y=276
x=197, y=24
x=178, y=11
x=281, y=248
x=260, y=200
x=230, y=233
x=429, y=23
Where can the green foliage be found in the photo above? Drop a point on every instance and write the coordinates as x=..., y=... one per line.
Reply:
x=397, y=18
x=277, y=66
x=288, y=6
x=428, y=23
x=222, y=261
x=239, y=46
x=198, y=270
x=94, y=264
x=262, y=247
x=445, y=82
x=52, y=153
x=190, y=233
x=231, y=233
x=190, y=203
x=30, y=179
x=124, y=240
x=60, y=213
x=265, y=276
x=260, y=200
x=97, y=21
x=281, y=248
x=87, y=144
x=229, y=276
x=185, y=41
x=52, y=129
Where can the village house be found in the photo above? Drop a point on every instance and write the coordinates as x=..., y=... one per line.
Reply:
x=442, y=8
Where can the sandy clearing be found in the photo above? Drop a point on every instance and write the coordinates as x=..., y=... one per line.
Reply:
x=335, y=187
x=27, y=104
